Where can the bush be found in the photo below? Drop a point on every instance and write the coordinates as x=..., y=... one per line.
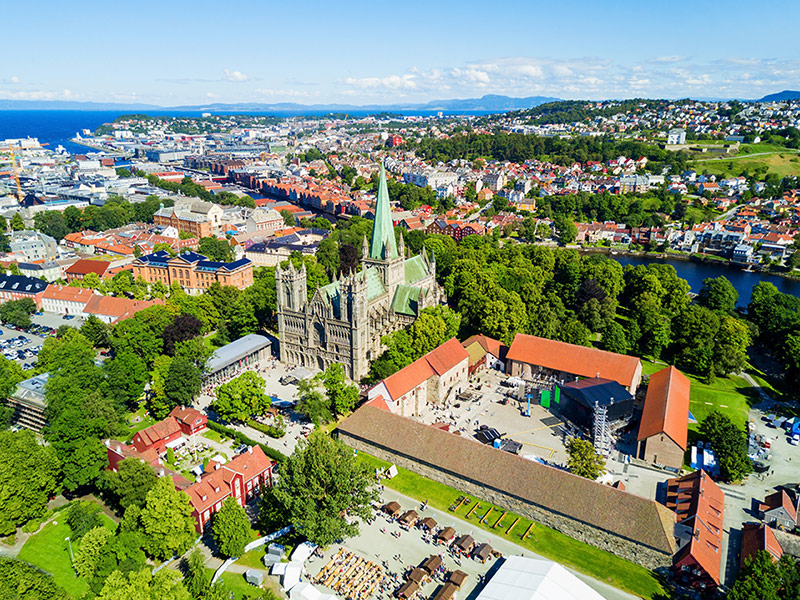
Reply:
x=243, y=439
x=10, y=540
x=276, y=431
x=32, y=526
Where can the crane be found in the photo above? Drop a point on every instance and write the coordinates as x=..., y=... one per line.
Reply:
x=16, y=173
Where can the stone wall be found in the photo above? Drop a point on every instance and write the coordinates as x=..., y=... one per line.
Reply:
x=789, y=542
x=574, y=528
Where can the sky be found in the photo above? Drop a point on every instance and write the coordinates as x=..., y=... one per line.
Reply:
x=177, y=52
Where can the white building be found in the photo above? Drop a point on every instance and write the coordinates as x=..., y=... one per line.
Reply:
x=676, y=136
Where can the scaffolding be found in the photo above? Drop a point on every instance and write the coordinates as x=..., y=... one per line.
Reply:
x=602, y=431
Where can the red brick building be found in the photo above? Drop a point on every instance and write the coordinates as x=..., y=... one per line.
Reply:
x=241, y=478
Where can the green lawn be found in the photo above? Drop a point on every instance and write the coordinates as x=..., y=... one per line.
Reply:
x=236, y=583
x=134, y=428
x=49, y=551
x=783, y=163
x=730, y=395
x=542, y=540
x=213, y=435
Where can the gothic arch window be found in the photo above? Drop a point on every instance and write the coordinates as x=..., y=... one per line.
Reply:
x=319, y=334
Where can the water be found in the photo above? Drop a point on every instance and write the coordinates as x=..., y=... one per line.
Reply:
x=696, y=272
x=59, y=126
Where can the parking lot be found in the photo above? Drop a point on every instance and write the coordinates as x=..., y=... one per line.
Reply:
x=23, y=345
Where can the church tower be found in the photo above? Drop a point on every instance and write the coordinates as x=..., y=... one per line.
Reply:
x=291, y=287
x=383, y=252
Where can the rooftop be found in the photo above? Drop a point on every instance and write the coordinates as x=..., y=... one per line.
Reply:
x=236, y=350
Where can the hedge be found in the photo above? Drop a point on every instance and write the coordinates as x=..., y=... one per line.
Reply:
x=243, y=439
x=270, y=430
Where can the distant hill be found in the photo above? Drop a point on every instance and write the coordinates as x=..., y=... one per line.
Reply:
x=488, y=103
x=781, y=96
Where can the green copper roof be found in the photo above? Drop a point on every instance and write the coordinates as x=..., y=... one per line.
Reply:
x=415, y=269
x=406, y=300
x=374, y=284
x=382, y=245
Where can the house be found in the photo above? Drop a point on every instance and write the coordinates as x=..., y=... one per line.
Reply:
x=64, y=300
x=81, y=268
x=17, y=287
x=485, y=352
x=779, y=511
x=196, y=217
x=158, y=437
x=241, y=478
x=111, y=309
x=699, y=505
x=264, y=222
x=757, y=537
x=663, y=429
x=531, y=357
x=438, y=375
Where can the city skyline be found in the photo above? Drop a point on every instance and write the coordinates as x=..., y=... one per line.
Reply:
x=180, y=53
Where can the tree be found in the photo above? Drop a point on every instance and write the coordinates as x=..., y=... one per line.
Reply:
x=184, y=327
x=583, y=460
x=166, y=521
x=17, y=312
x=215, y=249
x=615, y=339
x=718, y=294
x=565, y=229
x=97, y=332
x=82, y=517
x=144, y=585
x=272, y=514
x=90, y=550
x=729, y=443
x=181, y=385
x=231, y=528
x=21, y=581
x=328, y=256
x=130, y=483
x=196, y=579
x=762, y=578
x=242, y=397
x=28, y=478
x=325, y=490
x=17, y=224
x=342, y=397
x=288, y=217
x=312, y=403
x=126, y=376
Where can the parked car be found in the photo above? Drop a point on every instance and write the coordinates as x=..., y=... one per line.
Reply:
x=242, y=448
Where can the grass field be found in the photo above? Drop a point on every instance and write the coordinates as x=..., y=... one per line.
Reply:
x=49, y=550
x=236, y=583
x=781, y=163
x=542, y=540
x=133, y=428
x=730, y=395
x=213, y=435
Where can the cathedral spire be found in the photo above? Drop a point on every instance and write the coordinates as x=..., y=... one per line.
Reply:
x=382, y=245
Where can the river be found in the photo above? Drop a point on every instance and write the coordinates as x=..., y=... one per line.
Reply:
x=696, y=272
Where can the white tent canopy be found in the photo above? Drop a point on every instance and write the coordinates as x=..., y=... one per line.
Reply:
x=521, y=578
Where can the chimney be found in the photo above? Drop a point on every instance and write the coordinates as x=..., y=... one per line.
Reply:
x=249, y=449
x=161, y=472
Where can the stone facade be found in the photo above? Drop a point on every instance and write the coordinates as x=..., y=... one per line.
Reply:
x=624, y=548
x=345, y=320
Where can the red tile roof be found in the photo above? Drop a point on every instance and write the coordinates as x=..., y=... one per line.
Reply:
x=699, y=504
x=757, y=537
x=216, y=485
x=119, y=308
x=666, y=406
x=186, y=414
x=71, y=294
x=577, y=360
x=159, y=431
x=85, y=266
x=436, y=362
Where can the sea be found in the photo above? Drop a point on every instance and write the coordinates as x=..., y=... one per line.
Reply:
x=58, y=127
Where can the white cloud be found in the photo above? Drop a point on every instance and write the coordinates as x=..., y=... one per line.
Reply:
x=392, y=82
x=235, y=76
x=283, y=93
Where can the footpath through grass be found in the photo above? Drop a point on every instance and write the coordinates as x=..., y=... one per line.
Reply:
x=49, y=551
x=542, y=540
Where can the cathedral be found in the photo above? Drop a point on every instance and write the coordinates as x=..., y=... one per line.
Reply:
x=345, y=320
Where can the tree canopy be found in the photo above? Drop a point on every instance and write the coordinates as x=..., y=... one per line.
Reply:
x=325, y=490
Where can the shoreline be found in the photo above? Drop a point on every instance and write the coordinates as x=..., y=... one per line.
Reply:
x=684, y=257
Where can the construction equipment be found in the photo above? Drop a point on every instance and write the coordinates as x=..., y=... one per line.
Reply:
x=10, y=149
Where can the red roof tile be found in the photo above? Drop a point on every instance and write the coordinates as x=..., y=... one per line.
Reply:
x=666, y=406
x=577, y=360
